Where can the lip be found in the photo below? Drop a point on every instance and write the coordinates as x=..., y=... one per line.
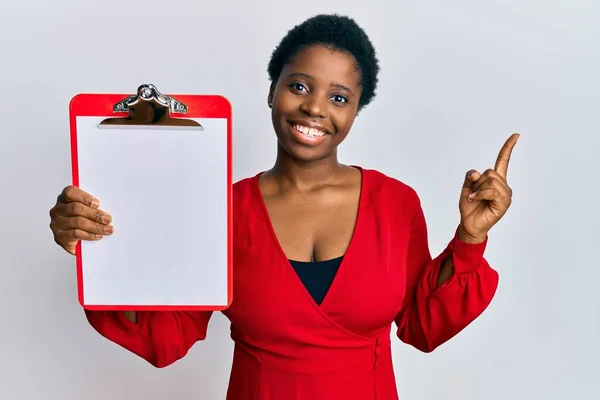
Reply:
x=301, y=138
x=309, y=124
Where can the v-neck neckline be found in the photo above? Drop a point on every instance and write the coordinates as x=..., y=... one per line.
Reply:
x=287, y=264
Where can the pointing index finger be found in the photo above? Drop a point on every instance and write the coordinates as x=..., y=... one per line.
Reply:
x=503, y=159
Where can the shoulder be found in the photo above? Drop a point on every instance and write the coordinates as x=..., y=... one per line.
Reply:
x=385, y=186
x=245, y=203
x=244, y=190
x=243, y=184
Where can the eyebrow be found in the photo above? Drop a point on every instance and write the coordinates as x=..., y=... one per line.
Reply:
x=302, y=74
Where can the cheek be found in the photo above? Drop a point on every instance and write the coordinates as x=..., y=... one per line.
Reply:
x=285, y=98
x=343, y=120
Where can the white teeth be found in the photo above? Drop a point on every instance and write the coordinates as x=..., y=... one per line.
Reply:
x=309, y=131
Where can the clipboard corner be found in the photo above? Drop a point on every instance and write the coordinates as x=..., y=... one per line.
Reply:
x=74, y=101
x=225, y=103
x=75, y=108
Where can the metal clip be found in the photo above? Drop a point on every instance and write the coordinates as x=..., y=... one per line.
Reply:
x=150, y=107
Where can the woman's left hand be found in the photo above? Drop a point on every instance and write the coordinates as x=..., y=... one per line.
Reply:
x=486, y=197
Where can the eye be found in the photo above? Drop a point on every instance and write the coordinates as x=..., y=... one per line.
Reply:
x=298, y=86
x=338, y=98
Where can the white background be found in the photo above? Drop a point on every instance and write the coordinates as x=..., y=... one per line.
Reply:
x=457, y=78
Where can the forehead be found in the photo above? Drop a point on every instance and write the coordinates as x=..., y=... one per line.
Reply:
x=326, y=65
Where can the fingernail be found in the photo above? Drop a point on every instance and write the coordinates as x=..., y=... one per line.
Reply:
x=94, y=203
x=108, y=229
x=471, y=196
x=105, y=218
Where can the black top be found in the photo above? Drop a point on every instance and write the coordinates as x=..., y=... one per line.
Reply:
x=317, y=275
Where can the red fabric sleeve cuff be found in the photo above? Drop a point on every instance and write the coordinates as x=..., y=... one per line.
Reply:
x=466, y=257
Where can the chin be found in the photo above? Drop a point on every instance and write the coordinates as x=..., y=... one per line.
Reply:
x=305, y=153
x=304, y=146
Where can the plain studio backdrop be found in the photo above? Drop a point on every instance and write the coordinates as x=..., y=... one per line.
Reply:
x=457, y=79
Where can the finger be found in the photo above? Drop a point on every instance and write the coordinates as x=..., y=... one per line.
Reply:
x=489, y=176
x=498, y=203
x=493, y=189
x=68, y=238
x=492, y=183
x=471, y=177
x=75, y=209
x=71, y=249
x=84, y=224
x=489, y=194
x=75, y=194
x=503, y=159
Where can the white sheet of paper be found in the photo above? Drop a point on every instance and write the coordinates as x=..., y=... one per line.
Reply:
x=166, y=190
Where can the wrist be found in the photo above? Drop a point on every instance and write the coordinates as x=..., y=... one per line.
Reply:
x=468, y=238
x=467, y=251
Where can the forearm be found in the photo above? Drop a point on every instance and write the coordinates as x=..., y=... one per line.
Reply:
x=447, y=269
x=164, y=337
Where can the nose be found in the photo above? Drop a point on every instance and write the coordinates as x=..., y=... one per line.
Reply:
x=315, y=106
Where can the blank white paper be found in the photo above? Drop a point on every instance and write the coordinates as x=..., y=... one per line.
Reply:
x=166, y=190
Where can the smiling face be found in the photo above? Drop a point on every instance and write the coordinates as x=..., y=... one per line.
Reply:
x=314, y=102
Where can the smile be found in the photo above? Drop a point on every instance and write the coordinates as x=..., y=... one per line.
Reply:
x=310, y=132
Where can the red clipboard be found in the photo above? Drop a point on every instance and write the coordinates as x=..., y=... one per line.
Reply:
x=192, y=135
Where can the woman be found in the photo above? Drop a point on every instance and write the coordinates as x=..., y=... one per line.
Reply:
x=327, y=256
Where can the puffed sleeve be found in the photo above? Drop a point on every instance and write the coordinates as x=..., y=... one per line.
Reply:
x=432, y=315
x=161, y=338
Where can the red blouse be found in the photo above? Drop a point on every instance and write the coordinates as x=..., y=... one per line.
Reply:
x=287, y=347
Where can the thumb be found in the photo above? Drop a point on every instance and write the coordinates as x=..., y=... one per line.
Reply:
x=71, y=248
x=471, y=177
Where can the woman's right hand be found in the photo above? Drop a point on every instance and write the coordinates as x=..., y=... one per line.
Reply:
x=76, y=216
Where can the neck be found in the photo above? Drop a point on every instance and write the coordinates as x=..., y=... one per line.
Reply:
x=305, y=175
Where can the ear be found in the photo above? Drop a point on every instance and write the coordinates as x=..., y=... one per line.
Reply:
x=270, y=96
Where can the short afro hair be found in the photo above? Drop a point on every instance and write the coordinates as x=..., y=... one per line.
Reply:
x=337, y=32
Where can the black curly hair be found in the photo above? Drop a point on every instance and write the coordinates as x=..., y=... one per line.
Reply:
x=338, y=32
